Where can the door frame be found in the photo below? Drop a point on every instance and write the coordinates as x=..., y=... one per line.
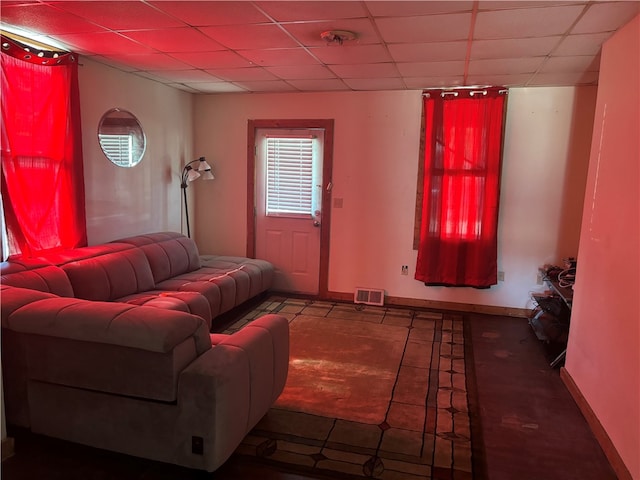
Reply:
x=327, y=170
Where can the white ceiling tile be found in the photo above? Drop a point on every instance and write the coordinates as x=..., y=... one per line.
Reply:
x=308, y=33
x=330, y=84
x=163, y=78
x=43, y=19
x=343, y=54
x=549, y=79
x=429, y=28
x=199, y=13
x=216, y=87
x=418, y=83
x=151, y=61
x=370, y=70
x=246, y=37
x=173, y=40
x=119, y=15
x=511, y=4
x=586, y=44
x=571, y=64
x=606, y=16
x=513, y=47
x=184, y=88
x=505, y=66
x=526, y=22
x=301, y=72
x=105, y=43
x=499, y=80
x=268, y=86
x=411, y=8
x=279, y=56
x=375, y=83
x=428, y=52
x=431, y=69
x=242, y=74
x=204, y=60
x=299, y=11
x=187, y=76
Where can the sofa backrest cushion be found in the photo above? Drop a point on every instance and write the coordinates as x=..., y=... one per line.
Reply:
x=169, y=253
x=60, y=257
x=111, y=276
x=36, y=275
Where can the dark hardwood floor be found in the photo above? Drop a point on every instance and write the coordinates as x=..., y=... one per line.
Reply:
x=531, y=427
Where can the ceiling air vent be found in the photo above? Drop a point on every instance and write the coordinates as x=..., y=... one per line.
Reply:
x=369, y=296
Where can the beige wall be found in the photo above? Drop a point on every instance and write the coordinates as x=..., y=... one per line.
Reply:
x=375, y=167
x=547, y=142
x=145, y=198
x=603, y=356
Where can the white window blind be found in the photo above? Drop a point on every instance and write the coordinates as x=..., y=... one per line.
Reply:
x=289, y=175
x=118, y=148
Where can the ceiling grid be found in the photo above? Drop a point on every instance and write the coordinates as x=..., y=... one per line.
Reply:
x=278, y=46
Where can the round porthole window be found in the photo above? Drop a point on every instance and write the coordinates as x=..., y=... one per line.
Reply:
x=121, y=137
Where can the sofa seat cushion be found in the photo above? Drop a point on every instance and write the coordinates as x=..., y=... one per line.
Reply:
x=110, y=276
x=226, y=285
x=260, y=272
x=112, y=347
x=208, y=290
x=36, y=275
x=241, y=279
x=188, y=302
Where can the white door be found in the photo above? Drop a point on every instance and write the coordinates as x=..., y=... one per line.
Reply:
x=289, y=205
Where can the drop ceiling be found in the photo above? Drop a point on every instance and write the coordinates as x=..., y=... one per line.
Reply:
x=276, y=46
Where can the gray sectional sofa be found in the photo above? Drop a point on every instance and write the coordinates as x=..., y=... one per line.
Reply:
x=111, y=346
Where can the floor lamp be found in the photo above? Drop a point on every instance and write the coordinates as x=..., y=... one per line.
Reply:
x=189, y=174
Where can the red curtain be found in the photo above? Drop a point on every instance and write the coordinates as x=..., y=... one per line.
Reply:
x=42, y=171
x=463, y=147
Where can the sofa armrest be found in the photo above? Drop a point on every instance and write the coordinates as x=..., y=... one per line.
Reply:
x=226, y=391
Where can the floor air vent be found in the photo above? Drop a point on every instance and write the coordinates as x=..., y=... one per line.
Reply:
x=369, y=296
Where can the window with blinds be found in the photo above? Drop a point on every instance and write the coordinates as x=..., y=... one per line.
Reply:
x=118, y=148
x=289, y=172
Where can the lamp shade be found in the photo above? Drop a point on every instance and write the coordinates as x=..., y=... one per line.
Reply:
x=192, y=174
x=207, y=175
x=203, y=165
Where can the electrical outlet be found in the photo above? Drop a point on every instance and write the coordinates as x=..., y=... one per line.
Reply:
x=501, y=276
x=405, y=270
x=197, y=445
x=539, y=279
